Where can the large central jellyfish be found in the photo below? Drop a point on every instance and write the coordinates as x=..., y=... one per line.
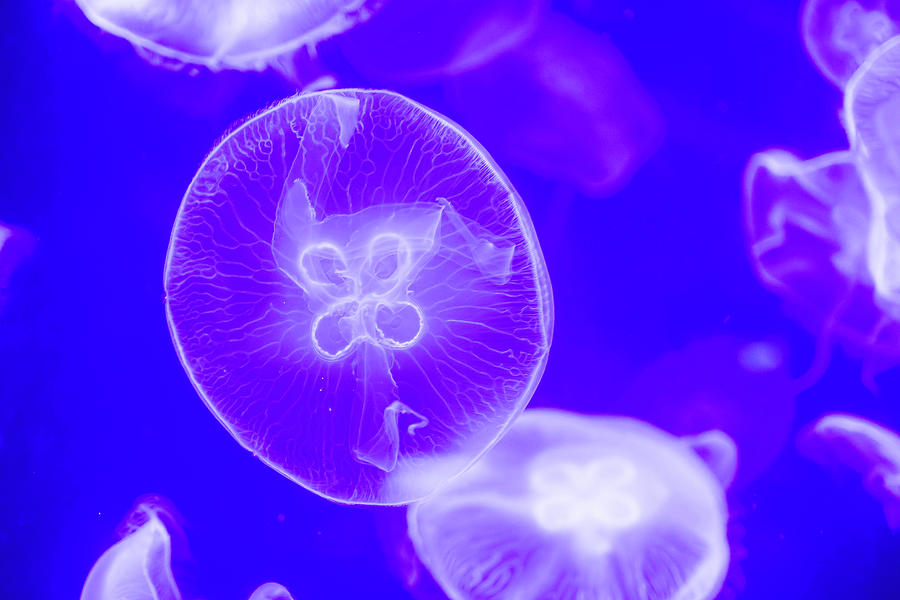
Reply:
x=569, y=506
x=358, y=294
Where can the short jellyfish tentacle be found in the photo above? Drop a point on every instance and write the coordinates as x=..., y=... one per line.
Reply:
x=376, y=413
x=492, y=257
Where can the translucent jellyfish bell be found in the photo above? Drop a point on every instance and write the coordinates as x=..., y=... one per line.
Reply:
x=358, y=294
x=237, y=34
x=571, y=506
x=840, y=34
x=271, y=591
x=139, y=566
x=868, y=449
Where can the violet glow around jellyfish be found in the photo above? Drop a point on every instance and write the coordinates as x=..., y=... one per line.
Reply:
x=870, y=450
x=233, y=34
x=358, y=294
x=825, y=232
x=572, y=506
x=840, y=34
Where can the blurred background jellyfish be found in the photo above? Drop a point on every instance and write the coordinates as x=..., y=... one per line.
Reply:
x=825, y=232
x=871, y=451
x=414, y=41
x=580, y=114
x=573, y=506
x=540, y=90
x=15, y=245
x=840, y=34
x=358, y=294
x=237, y=34
x=139, y=566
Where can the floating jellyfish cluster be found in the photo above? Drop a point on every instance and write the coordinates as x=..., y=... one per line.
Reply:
x=825, y=232
x=139, y=566
x=572, y=506
x=358, y=294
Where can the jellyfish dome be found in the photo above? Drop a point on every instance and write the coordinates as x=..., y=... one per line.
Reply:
x=870, y=450
x=572, y=506
x=238, y=34
x=358, y=294
x=139, y=566
x=840, y=34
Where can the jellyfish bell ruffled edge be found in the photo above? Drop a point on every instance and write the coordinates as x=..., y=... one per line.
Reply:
x=294, y=59
x=451, y=466
x=842, y=441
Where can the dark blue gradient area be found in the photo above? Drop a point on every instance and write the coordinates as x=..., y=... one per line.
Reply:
x=98, y=147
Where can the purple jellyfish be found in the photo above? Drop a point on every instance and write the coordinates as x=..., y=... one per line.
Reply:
x=238, y=34
x=423, y=40
x=869, y=450
x=825, y=233
x=358, y=294
x=573, y=506
x=580, y=113
x=840, y=34
x=139, y=567
x=15, y=245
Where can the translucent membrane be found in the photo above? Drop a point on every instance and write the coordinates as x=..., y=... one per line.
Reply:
x=840, y=34
x=358, y=294
x=580, y=113
x=826, y=232
x=139, y=566
x=233, y=34
x=870, y=450
x=571, y=506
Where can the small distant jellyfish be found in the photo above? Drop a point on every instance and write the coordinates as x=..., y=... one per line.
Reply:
x=870, y=450
x=825, y=232
x=840, y=34
x=237, y=34
x=358, y=294
x=416, y=41
x=139, y=567
x=580, y=114
x=15, y=245
x=271, y=591
x=573, y=506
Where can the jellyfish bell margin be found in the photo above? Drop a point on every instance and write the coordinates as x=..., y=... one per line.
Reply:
x=358, y=295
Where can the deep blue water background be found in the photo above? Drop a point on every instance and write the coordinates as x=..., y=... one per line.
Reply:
x=95, y=409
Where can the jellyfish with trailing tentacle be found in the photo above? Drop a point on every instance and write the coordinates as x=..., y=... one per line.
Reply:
x=870, y=450
x=237, y=34
x=825, y=232
x=358, y=294
x=574, y=506
x=139, y=566
x=840, y=34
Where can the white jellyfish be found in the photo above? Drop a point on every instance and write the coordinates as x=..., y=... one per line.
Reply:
x=870, y=450
x=573, y=506
x=139, y=566
x=826, y=232
x=840, y=34
x=233, y=34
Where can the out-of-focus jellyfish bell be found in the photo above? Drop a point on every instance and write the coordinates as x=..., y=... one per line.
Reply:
x=15, y=245
x=358, y=294
x=869, y=450
x=840, y=34
x=580, y=114
x=824, y=232
x=423, y=40
x=233, y=34
x=271, y=591
x=572, y=506
x=139, y=566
